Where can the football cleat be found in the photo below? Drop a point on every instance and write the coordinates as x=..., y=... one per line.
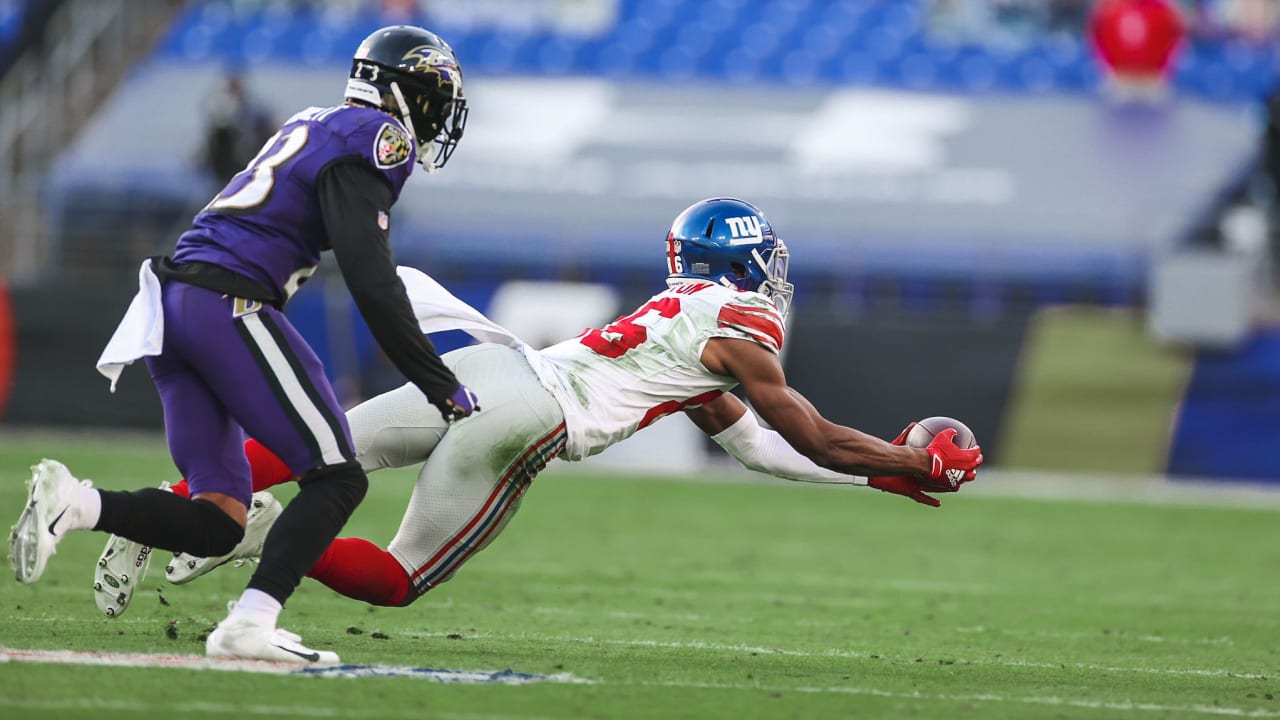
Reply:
x=120, y=569
x=263, y=511
x=52, y=507
x=240, y=637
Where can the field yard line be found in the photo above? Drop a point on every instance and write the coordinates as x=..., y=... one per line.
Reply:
x=909, y=585
x=669, y=593
x=985, y=697
x=853, y=654
x=1218, y=641
x=181, y=708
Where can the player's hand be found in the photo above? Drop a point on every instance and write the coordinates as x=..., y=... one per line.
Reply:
x=906, y=487
x=951, y=463
x=462, y=403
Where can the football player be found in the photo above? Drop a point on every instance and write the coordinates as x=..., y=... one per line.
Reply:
x=720, y=324
x=226, y=361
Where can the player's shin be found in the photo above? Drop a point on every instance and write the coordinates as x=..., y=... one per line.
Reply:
x=362, y=571
x=164, y=520
x=306, y=527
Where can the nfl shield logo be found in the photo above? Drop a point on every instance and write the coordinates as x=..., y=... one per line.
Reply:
x=384, y=221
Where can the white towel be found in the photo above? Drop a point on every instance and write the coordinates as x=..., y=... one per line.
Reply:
x=141, y=331
x=438, y=310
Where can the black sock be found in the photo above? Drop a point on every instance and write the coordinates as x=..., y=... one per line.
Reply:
x=169, y=522
x=308, y=524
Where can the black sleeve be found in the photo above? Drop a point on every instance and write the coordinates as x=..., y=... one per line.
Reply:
x=351, y=196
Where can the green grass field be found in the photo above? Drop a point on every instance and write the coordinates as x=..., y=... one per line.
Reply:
x=703, y=599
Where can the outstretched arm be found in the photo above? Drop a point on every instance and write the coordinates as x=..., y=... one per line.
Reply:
x=834, y=447
x=734, y=428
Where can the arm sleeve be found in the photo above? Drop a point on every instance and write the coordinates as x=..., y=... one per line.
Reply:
x=351, y=196
x=763, y=450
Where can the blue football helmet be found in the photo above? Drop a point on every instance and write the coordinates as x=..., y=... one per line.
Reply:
x=730, y=242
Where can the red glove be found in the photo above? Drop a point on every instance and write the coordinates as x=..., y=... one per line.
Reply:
x=952, y=464
x=906, y=487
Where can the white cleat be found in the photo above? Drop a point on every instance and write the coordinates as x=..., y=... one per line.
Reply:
x=120, y=569
x=244, y=639
x=263, y=511
x=51, y=508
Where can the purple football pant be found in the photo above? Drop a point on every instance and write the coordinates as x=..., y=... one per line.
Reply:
x=229, y=367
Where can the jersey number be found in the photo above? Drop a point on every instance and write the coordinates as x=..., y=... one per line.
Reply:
x=625, y=334
x=261, y=172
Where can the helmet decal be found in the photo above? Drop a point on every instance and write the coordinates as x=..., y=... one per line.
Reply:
x=429, y=58
x=745, y=230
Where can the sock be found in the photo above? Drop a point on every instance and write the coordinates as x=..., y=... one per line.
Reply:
x=257, y=607
x=88, y=510
x=362, y=571
x=308, y=524
x=267, y=469
x=163, y=520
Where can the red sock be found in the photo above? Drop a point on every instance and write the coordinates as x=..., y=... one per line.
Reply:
x=361, y=570
x=267, y=469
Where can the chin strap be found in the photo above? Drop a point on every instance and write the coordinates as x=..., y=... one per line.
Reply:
x=428, y=165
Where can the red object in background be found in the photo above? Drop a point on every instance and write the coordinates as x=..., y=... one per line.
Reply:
x=8, y=353
x=1136, y=38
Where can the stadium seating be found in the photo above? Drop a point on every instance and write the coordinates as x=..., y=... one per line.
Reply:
x=797, y=42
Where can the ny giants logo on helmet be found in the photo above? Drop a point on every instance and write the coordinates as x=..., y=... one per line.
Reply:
x=429, y=58
x=745, y=230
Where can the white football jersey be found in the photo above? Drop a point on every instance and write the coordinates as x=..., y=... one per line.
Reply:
x=619, y=379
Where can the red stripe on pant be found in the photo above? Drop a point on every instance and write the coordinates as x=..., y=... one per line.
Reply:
x=498, y=491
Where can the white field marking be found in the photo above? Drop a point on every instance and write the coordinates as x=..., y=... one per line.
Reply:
x=851, y=654
x=198, y=662
x=832, y=582
x=1118, y=635
x=682, y=593
x=987, y=698
x=622, y=614
x=182, y=708
x=756, y=597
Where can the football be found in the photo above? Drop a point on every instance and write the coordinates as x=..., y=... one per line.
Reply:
x=924, y=431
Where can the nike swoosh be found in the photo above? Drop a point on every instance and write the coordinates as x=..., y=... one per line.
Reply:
x=309, y=657
x=55, y=520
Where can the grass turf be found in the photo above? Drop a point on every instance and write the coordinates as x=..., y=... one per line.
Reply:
x=684, y=599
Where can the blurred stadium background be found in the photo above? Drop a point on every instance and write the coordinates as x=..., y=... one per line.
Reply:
x=986, y=219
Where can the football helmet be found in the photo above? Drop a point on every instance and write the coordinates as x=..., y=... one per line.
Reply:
x=413, y=75
x=730, y=242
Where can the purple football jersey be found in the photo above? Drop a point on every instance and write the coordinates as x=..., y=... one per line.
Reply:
x=266, y=223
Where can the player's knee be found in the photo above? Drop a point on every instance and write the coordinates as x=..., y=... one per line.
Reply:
x=221, y=532
x=344, y=484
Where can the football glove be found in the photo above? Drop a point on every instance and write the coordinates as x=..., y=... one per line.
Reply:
x=906, y=487
x=462, y=403
x=945, y=459
x=952, y=464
